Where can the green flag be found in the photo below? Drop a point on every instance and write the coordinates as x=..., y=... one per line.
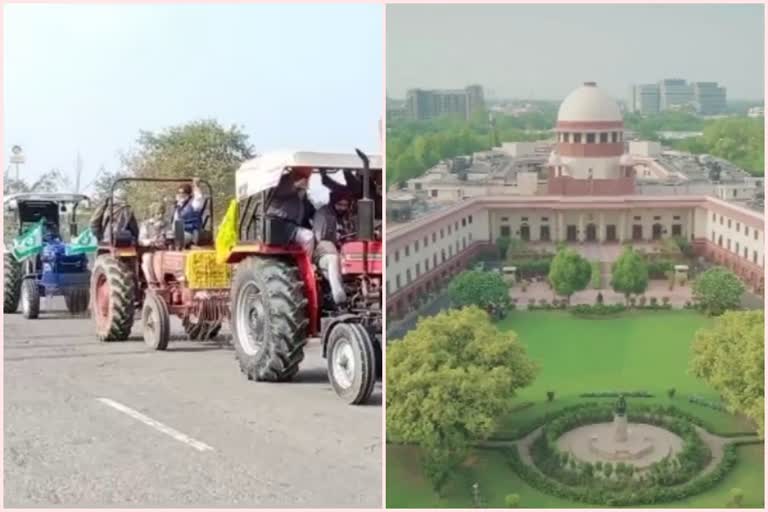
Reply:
x=28, y=244
x=84, y=243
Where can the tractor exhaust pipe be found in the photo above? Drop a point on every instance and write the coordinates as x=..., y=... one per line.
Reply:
x=365, y=206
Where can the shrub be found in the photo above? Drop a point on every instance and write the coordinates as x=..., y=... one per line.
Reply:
x=550, y=396
x=641, y=301
x=531, y=302
x=615, y=394
x=654, y=302
x=599, y=299
x=665, y=300
x=696, y=399
x=632, y=302
x=688, y=304
x=671, y=393
x=658, y=269
x=512, y=500
x=543, y=302
x=608, y=469
x=736, y=497
x=597, y=309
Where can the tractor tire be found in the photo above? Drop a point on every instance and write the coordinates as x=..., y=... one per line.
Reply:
x=201, y=331
x=30, y=299
x=12, y=274
x=351, y=362
x=156, y=322
x=77, y=300
x=112, y=296
x=269, y=319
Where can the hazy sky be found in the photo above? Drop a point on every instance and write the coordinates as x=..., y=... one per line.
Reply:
x=545, y=51
x=89, y=77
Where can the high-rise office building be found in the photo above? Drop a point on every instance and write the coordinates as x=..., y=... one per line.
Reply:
x=709, y=98
x=674, y=93
x=427, y=104
x=706, y=98
x=644, y=99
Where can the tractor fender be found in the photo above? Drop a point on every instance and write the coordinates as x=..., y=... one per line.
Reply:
x=329, y=323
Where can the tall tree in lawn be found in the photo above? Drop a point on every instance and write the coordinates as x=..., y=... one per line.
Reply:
x=629, y=274
x=569, y=272
x=202, y=149
x=730, y=357
x=486, y=290
x=718, y=290
x=502, y=244
x=448, y=382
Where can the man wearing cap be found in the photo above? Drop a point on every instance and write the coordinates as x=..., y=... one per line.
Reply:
x=189, y=208
x=331, y=224
x=290, y=203
x=124, y=219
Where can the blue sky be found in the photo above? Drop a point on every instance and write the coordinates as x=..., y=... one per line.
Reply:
x=88, y=77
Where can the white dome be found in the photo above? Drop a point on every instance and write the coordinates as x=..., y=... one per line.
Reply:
x=554, y=159
x=589, y=103
x=626, y=160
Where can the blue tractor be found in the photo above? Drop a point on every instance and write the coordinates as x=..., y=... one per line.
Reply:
x=51, y=271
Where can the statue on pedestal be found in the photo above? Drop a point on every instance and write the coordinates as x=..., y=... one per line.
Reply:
x=621, y=406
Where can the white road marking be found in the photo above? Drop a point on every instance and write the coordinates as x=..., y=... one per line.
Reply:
x=165, y=429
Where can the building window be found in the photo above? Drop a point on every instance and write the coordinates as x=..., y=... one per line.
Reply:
x=713, y=237
x=470, y=237
x=416, y=246
x=729, y=223
x=590, y=138
x=614, y=137
x=524, y=219
x=737, y=248
x=746, y=254
x=456, y=226
x=545, y=219
x=449, y=229
x=721, y=220
x=676, y=217
x=397, y=256
x=434, y=193
x=603, y=138
x=738, y=227
x=434, y=260
x=434, y=237
x=714, y=218
x=442, y=234
x=450, y=251
x=729, y=244
x=418, y=269
x=755, y=234
x=505, y=231
x=426, y=264
x=408, y=276
x=442, y=253
x=426, y=239
x=505, y=219
x=746, y=230
x=463, y=222
x=657, y=217
x=638, y=218
x=463, y=242
x=407, y=251
x=577, y=138
x=754, y=256
x=720, y=240
x=397, y=281
x=470, y=219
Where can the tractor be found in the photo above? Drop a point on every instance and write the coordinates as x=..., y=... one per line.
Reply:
x=51, y=271
x=278, y=299
x=191, y=285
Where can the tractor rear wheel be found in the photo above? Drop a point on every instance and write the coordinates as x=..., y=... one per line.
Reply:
x=12, y=273
x=112, y=292
x=77, y=300
x=269, y=319
x=156, y=322
x=201, y=331
x=30, y=298
x=351, y=362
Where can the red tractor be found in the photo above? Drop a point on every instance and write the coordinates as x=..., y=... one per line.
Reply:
x=277, y=293
x=192, y=286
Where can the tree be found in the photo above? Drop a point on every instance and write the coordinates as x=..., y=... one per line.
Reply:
x=502, y=244
x=512, y=501
x=730, y=356
x=717, y=290
x=486, y=290
x=569, y=272
x=52, y=181
x=629, y=274
x=202, y=149
x=448, y=382
x=735, y=497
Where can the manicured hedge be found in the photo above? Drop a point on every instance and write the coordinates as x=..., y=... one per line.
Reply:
x=615, y=394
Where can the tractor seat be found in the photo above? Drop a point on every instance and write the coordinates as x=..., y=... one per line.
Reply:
x=124, y=238
x=202, y=238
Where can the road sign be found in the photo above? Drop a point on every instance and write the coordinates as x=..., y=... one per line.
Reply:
x=17, y=155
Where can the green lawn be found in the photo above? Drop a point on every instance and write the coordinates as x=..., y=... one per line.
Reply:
x=646, y=351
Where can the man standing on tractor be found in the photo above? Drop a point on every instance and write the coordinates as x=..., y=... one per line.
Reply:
x=354, y=187
x=102, y=223
x=152, y=234
x=290, y=203
x=189, y=209
x=331, y=224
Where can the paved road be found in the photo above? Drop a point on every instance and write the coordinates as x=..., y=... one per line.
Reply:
x=181, y=428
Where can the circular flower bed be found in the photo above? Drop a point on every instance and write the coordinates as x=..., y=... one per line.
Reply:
x=675, y=477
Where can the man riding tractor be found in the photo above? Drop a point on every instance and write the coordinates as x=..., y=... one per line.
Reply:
x=278, y=299
x=161, y=274
x=40, y=264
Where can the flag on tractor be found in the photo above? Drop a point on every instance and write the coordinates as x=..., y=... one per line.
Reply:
x=28, y=244
x=83, y=244
x=226, y=238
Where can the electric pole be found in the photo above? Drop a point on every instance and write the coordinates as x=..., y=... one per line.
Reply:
x=78, y=172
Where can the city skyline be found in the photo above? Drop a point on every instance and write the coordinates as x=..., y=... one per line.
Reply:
x=454, y=38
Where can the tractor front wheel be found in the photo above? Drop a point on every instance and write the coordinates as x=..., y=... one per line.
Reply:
x=155, y=322
x=351, y=362
x=77, y=300
x=269, y=319
x=112, y=293
x=12, y=273
x=30, y=299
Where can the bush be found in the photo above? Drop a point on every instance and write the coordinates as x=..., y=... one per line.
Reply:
x=531, y=302
x=598, y=309
x=658, y=269
x=735, y=498
x=615, y=394
x=632, y=302
x=641, y=301
x=550, y=396
x=688, y=304
x=599, y=299
x=512, y=500
x=698, y=400
x=665, y=300
x=671, y=393
x=654, y=302
x=543, y=303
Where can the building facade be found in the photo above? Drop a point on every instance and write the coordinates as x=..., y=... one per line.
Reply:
x=424, y=104
x=590, y=199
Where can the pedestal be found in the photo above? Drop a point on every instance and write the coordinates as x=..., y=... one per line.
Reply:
x=620, y=424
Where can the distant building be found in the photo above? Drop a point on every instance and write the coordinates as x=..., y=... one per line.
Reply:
x=709, y=98
x=427, y=104
x=676, y=94
x=756, y=112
